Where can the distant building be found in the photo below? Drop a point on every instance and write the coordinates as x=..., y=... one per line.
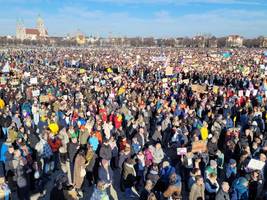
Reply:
x=179, y=42
x=199, y=41
x=234, y=41
x=212, y=42
x=39, y=32
x=264, y=42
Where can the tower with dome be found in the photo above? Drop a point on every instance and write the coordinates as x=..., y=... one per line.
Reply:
x=40, y=32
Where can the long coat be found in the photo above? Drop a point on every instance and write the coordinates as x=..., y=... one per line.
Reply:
x=78, y=166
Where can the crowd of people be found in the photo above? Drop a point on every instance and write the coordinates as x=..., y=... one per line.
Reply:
x=165, y=123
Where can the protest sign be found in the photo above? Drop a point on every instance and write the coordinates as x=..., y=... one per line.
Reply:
x=64, y=79
x=44, y=98
x=33, y=81
x=169, y=71
x=255, y=164
x=181, y=151
x=240, y=93
x=185, y=81
x=159, y=59
x=35, y=93
x=199, y=146
x=198, y=88
x=164, y=80
x=14, y=82
x=6, y=68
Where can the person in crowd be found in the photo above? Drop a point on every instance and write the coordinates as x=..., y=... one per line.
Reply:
x=223, y=193
x=198, y=189
x=79, y=171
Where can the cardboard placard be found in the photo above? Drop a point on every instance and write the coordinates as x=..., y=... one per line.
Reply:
x=14, y=82
x=199, y=146
x=97, y=88
x=33, y=81
x=255, y=164
x=169, y=71
x=181, y=151
x=44, y=98
x=185, y=81
x=64, y=78
x=199, y=88
x=26, y=74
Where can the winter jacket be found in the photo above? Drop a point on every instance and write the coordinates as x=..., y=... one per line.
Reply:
x=197, y=191
x=105, y=152
x=221, y=195
x=158, y=155
x=104, y=175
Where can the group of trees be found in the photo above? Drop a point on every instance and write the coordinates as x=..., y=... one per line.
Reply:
x=199, y=41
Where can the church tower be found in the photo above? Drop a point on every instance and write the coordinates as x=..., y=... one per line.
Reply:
x=20, y=30
x=40, y=26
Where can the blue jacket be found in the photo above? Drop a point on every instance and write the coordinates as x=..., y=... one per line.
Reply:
x=3, y=150
x=93, y=141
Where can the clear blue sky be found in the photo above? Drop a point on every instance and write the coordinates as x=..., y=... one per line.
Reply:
x=158, y=18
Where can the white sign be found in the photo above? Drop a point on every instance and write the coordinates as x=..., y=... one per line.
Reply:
x=181, y=151
x=159, y=59
x=33, y=80
x=255, y=164
x=36, y=93
x=27, y=74
x=6, y=68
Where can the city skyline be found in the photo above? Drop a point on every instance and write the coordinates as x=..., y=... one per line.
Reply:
x=147, y=18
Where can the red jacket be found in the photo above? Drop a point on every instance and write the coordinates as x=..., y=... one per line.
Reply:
x=54, y=144
x=103, y=114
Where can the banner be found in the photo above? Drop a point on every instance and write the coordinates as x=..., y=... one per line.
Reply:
x=159, y=59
